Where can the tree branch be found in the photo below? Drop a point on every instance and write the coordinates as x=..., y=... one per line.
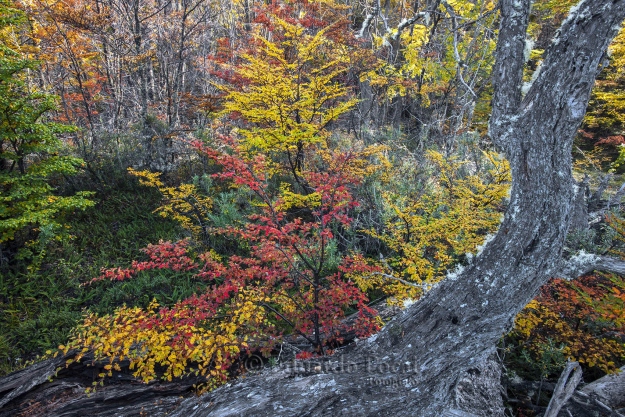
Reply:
x=424, y=287
x=583, y=263
x=508, y=69
x=366, y=23
x=403, y=25
x=459, y=62
x=409, y=22
x=564, y=389
x=572, y=63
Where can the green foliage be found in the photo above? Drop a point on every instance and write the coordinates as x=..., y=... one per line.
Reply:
x=39, y=308
x=30, y=152
x=230, y=209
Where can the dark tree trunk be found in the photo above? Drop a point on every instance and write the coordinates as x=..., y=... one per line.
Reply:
x=433, y=359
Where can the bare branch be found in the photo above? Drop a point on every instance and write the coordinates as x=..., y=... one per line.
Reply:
x=394, y=33
x=459, y=62
x=404, y=24
x=424, y=287
x=384, y=19
x=583, y=263
x=565, y=388
x=367, y=22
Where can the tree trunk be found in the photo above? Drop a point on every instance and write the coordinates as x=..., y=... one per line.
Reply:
x=433, y=359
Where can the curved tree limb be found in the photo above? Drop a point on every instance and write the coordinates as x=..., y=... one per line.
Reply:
x=584, y=263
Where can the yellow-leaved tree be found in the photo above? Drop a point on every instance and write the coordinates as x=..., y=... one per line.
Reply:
x=187, y=203
x=290, y=277
x=430, y=230
x=442, y=73
x=290, y=92
x=607, y=105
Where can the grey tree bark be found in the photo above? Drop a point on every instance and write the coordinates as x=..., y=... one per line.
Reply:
x=433, y=360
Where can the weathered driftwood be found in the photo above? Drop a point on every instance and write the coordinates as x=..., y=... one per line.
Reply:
x=564, y=388
x=50, y=388
x=610, y=389
x=603, y=397
x=427, y=361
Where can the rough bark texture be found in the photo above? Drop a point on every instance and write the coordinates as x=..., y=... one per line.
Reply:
x=508, y=69
x=427, y=361
x=610, y=388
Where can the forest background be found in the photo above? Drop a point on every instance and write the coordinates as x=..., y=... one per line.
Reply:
x=187, y=182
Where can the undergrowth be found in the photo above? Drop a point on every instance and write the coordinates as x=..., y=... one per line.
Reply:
x=38, y=309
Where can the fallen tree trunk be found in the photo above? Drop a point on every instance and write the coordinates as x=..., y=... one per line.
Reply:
x=603, y=397
x=433, y=359
x=570, y=378
x=610, y=389
x=50, y=388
